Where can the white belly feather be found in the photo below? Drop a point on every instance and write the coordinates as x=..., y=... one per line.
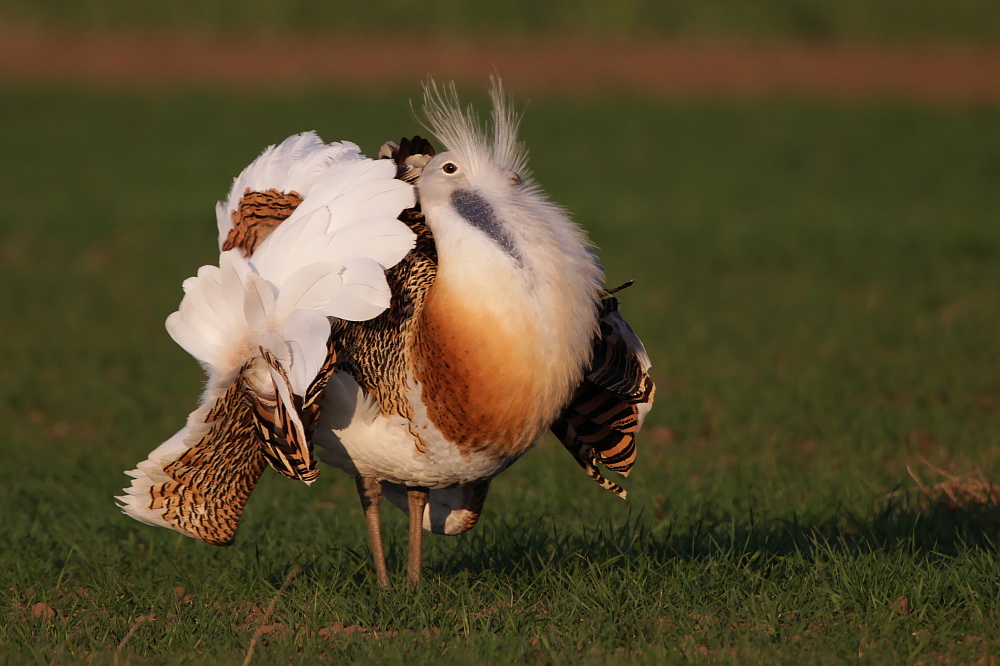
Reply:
x=353, y=435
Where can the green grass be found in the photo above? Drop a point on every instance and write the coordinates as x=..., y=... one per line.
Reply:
x=901, y=21
x=818, y=288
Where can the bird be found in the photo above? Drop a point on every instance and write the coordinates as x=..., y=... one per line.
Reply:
x=487, y=323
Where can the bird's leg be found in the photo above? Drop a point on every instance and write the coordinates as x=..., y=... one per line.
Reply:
x=417, y=500
x=370, y=492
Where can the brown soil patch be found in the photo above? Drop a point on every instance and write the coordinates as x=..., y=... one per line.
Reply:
x=537, y=66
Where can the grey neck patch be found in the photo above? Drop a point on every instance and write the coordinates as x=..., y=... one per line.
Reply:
x=478, y=212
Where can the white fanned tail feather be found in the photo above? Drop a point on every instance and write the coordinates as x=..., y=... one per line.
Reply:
x=149, y=473
x=259, y=327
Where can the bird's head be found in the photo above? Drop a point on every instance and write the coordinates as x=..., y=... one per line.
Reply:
x=459, y=170
x=479, y=193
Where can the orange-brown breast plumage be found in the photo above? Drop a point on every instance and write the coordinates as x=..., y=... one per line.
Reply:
x=479, y=375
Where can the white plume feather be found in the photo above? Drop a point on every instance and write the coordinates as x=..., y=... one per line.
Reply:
x=462, y=132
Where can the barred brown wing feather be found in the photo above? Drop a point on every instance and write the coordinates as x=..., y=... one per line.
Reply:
x=585, y=456
x=279, y=427
x=313, y=399
x=620, y=363
x=601, y=420
x=212, y=480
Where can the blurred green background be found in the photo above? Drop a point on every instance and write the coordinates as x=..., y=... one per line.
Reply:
x=880, y=21
x=817, y=284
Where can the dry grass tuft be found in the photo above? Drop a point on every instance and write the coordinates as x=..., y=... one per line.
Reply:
x=965, y=492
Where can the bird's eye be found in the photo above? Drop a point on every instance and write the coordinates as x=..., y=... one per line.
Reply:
x=449, y=167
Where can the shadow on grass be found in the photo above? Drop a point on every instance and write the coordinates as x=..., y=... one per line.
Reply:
x=916, y=525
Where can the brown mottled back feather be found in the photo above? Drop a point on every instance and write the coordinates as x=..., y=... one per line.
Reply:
x=376, y=352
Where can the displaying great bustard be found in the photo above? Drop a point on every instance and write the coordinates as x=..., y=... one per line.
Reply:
x=420, y=337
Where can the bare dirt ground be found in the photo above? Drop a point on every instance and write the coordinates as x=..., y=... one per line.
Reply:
x=575, y=67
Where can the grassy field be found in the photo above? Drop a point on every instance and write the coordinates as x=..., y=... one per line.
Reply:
x=819, y=289
x=899, y=21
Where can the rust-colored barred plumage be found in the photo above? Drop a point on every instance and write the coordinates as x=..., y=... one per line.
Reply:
x=602, y=418
x=256, y=216
x=212, y=480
